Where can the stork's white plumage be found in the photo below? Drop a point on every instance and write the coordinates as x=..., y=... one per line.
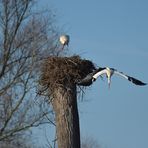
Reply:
x=64, y=39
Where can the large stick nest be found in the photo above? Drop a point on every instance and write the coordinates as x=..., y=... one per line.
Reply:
x=60, y=71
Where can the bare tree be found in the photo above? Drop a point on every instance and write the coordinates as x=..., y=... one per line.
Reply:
x=22, y=141
x=26, y=38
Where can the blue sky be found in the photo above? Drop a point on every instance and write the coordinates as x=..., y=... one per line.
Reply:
x=111, y=33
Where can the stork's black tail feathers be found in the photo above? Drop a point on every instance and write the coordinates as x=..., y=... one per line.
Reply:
x=135, y=81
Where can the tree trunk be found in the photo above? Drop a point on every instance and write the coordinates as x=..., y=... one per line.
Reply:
x=67, y=118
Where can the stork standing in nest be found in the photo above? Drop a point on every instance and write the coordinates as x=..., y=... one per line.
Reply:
x=64, y=40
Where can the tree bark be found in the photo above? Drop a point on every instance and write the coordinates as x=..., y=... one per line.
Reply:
x=67, y=117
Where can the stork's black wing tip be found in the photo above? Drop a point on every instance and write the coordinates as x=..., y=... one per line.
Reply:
x=85, y=82
x=136, y=82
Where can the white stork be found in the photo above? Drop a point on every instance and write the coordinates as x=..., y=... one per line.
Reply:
x=109, y=73
x=64, y=40
x=90, y=78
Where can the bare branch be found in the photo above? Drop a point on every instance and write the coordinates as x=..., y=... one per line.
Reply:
x=26, y=38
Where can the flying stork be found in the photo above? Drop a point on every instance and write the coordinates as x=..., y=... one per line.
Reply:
x=90, y=78
x=64, y=40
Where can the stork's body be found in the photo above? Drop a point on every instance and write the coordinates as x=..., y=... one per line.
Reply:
x=64, y=40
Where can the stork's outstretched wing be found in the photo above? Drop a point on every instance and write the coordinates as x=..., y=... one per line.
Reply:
x=100, y=73
x=89, y=79
x=133, y=80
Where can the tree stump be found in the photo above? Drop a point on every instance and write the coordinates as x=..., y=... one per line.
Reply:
x=58, y=78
